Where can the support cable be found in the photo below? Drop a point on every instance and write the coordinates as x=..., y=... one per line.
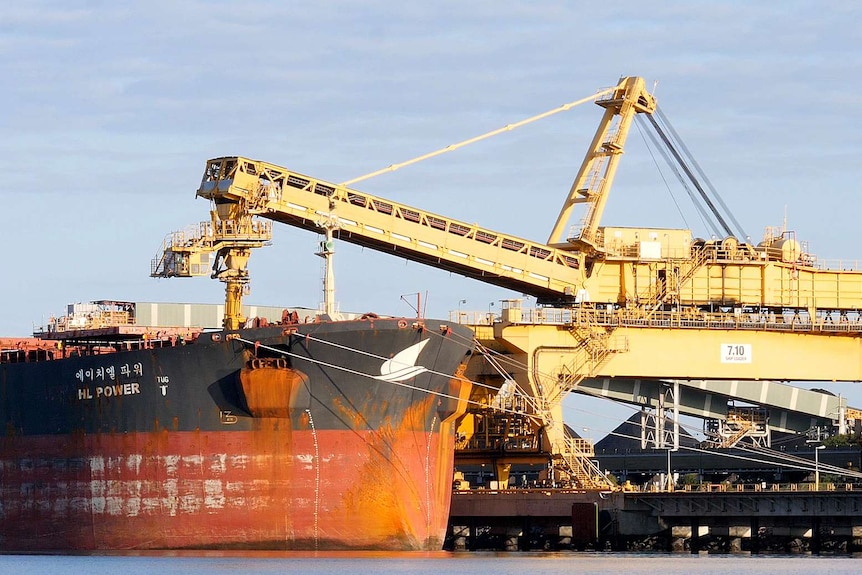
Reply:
x=705, y=218
x=639, y=124
x=666, y=122
x=506, y=128
x=685, y=168
x=804, y=465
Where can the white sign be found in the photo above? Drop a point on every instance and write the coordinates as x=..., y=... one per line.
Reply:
x=736, y=353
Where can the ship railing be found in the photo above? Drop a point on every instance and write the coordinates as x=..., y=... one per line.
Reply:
x=91, y=321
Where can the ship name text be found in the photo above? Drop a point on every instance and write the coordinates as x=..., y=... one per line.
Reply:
x=117, y=389
x=112, y=375
x=109, y=372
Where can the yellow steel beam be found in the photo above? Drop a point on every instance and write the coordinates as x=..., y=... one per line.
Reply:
x=676, y=353
x=596, y=175
x=282, y=195
x=485, y=136
x=677, y=272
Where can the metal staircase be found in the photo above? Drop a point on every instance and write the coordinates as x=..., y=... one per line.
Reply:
x=574, y=456
x=653, y=300
x=596, y=344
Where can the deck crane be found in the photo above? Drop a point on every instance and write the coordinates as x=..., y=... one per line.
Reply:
x=229, y=235
x=627, y=300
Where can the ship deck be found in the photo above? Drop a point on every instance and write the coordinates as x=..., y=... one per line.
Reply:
x=58, y=344
x=119, y=333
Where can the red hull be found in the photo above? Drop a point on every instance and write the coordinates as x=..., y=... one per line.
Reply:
x=270, y=488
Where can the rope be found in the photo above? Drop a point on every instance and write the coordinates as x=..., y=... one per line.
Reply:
x=471, y=345
x=800, y=463
x=803, y=463
x=369, y=376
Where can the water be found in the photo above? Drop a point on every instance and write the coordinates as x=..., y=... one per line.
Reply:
x=216, y=563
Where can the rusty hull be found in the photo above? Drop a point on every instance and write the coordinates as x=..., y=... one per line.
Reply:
x=270, y=489
x=192, y=455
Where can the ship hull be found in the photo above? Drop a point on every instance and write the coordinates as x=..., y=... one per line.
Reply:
x=299, y=438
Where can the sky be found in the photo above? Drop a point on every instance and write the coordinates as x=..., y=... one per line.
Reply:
x=109, y=111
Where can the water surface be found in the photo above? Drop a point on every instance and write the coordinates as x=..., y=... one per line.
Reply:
x=563, y=563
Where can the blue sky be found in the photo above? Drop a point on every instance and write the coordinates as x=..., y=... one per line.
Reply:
x=109, y=111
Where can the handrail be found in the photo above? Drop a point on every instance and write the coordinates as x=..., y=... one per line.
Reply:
x=687, y=320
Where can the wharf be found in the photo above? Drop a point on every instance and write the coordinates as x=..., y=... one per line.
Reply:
x=719, y=518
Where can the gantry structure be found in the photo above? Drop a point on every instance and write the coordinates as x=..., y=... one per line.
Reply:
x=651, y=316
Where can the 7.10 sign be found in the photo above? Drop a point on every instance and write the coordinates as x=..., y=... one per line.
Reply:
x=736, y=353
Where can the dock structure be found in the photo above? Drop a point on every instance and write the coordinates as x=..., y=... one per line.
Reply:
x=757, y=519
x=717, y=518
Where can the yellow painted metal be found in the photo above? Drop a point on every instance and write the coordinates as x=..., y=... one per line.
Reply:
x=485, y=136
x=640, y=267
x=596, y=175
x=233, y=318
x=227, y=238
x=642, y=302
x=282, y=195
x=710, y=276
x=676, y=352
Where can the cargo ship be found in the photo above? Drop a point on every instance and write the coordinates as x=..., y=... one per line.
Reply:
x=285, y=435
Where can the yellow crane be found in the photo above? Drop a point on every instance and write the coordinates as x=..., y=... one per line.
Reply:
x=619, y=301
x=230, y=235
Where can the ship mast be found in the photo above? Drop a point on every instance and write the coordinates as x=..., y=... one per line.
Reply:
x=327, y=252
